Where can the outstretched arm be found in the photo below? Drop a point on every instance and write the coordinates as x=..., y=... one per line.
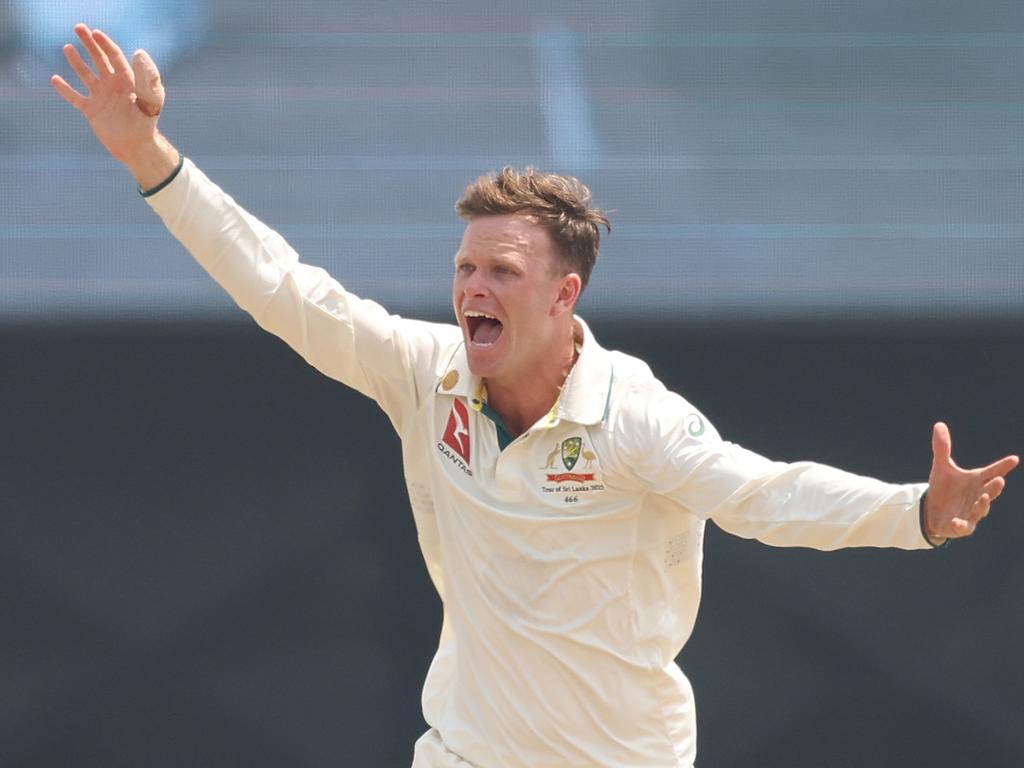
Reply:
x=122, y=104
x=958, y=499
x=800, y=503
x=354, y=341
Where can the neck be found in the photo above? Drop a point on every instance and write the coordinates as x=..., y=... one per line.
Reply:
x=522, y=402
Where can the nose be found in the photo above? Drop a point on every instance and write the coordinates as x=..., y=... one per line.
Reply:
x=474, y=284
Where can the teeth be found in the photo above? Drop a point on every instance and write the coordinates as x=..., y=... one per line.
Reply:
x=474, y=313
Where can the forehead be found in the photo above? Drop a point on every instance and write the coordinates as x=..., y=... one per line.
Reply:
x=514, y=235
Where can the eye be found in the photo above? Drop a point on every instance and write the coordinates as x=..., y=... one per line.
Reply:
x=463, y=269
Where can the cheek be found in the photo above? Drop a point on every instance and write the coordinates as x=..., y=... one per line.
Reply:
x=526, y=314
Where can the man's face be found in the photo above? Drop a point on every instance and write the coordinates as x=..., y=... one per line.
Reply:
x=509, y=295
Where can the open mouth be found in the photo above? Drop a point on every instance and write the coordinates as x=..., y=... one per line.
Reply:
x=484, y=329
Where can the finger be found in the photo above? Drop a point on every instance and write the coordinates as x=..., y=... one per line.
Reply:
x=73, y=97
x=942, y=443
x=86, y=75
x=994, y=487
x=113, y=52
x=148, y=87
x=980, y=509
x=999, y=468
x=960, y=528
x=99, y=59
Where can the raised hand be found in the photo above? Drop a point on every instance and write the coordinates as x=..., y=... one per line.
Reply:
x=958, y=499
x=121, y=103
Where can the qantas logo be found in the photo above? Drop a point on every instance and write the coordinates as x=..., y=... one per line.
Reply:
x=456, y=437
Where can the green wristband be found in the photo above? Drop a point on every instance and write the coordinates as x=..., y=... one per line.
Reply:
x=924, y=532
x=168, y=180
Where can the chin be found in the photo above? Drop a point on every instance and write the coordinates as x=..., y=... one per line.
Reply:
x=487, y=363
x=480, y=365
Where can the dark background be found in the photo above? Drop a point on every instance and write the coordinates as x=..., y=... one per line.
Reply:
x=208, y=557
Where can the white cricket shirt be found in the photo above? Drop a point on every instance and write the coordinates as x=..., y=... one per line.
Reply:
x=569, y=563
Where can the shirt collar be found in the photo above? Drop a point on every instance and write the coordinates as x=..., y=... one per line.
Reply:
x=585, y=395
x=587, y=390
x=454, y=376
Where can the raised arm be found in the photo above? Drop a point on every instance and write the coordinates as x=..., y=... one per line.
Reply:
x=350, y=339
x=122, y=103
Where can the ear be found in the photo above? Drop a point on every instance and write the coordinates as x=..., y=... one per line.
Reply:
x=569, y=289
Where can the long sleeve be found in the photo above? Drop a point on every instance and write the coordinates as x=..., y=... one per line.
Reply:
x=347, y=338
x=783, y=504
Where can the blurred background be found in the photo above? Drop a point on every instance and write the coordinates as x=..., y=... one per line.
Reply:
x=206, y=553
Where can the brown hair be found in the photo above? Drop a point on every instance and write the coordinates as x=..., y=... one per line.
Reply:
x=561, y=204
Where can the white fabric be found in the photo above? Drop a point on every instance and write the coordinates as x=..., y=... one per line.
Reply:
x=569, y=564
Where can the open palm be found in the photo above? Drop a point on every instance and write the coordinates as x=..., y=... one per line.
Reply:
x=121, y=102
x=958, y=499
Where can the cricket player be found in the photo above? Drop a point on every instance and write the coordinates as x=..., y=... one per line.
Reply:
x=559, y=490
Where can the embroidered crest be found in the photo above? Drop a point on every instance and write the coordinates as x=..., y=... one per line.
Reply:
x=578, y=476
x=571, y=448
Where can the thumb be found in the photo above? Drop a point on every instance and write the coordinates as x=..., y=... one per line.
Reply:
x=942, y=443
x=149, y=89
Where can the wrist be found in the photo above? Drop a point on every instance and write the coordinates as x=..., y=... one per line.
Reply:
x=150, y=191
x=152, y=162
x=926, y=530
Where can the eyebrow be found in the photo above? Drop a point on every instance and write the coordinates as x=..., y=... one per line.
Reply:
x=500, y=258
